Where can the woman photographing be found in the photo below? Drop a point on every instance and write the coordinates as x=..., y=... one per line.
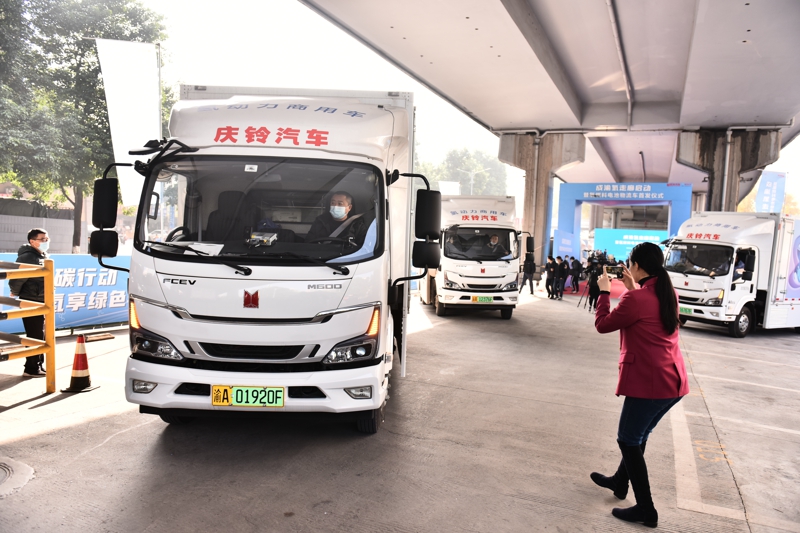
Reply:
x=652, y=375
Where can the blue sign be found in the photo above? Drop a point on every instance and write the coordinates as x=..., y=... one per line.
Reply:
x=571, y=195
x=564, y=244
x=620, y=242
x=771, y=189
x=86, y=293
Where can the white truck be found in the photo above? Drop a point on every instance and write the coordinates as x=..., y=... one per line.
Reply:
x=737, y=270
x=272, y=253
x=474, y=272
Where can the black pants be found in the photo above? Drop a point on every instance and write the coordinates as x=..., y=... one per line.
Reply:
x=34, y=328
x=549, y=285
x=529, y=279
x=593, y=295
x=560, y=287
x=576, y=279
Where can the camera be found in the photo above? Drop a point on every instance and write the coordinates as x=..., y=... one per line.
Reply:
x=614, y=271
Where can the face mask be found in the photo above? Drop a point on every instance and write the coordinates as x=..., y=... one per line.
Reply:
x=338, y=211
x=43, y=246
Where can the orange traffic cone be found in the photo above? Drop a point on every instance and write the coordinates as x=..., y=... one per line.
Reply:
x=80, y=381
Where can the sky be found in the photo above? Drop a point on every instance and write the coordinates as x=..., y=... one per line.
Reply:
x=282, y=43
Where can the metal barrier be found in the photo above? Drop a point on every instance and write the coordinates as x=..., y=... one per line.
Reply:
x=28, y=308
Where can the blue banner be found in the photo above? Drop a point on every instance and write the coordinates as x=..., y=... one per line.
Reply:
x=86, y=293
x=620, y=242
x=771, y=187
x=564, y=244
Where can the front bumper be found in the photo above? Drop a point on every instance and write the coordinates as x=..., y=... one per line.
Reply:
x=499, y=300
x=331, y=382
x=702, y=313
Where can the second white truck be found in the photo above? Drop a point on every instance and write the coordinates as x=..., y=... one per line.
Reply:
x=480, y=256
x=737, y=270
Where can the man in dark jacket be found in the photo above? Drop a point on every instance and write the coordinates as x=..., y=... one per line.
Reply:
x=337, y=223
x=577, y=268
x=561, y=277
x=528, y=267
x=550, y=270
x=32, y=289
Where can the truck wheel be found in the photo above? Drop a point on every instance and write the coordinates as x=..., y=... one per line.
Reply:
x=370, y=421
x=440, y=310
x=176, y=420
x=742, y=325
x=506, y=313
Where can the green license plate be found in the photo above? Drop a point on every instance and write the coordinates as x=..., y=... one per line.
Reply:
x=228, y=396
x=483, y=299
x=685, y=310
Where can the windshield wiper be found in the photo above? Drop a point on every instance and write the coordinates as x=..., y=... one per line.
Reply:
x=452, y=255
x=241, y=270
x=343, y=270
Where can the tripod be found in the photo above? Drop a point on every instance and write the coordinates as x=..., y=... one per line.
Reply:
x=585, y=293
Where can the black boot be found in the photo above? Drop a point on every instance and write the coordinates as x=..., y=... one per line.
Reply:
x=644, y=511
x=618, y=483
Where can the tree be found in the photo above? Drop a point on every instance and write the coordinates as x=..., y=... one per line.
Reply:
x=460, y=165
x=62, y=141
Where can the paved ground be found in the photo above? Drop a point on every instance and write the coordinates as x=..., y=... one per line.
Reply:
x=495, y=428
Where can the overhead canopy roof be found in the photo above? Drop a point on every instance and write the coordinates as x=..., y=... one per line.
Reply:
x=518, y=65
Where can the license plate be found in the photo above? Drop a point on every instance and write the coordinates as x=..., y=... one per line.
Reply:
x=685, y=310
x=228, y=396
x=482, y=299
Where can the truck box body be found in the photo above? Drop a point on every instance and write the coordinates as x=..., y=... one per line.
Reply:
x=232, y=291
x=706, y=262
x=471, y=273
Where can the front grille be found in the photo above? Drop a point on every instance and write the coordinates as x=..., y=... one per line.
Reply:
x=245, y=351
x=482, y=287
x=229, y=366
x=687, y=300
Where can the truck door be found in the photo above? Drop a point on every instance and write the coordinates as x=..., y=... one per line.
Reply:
x=741, y=289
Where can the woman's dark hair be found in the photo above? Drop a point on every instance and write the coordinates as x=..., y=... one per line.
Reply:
x=650, y=258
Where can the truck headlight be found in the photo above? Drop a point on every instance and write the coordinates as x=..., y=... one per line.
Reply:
x=510, y=286
x=448, y=283
x=718, y=300
x=146, y=343
x=358, y=348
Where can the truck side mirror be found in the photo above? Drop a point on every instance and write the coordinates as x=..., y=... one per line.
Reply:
x=750, y=264
x=529, y=244
x=747, y=276
x=428, y=219
x=104, y=207
x=425, y=255
x=103, y=244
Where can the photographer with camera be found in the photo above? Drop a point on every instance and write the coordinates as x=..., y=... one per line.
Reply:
x=652, y=374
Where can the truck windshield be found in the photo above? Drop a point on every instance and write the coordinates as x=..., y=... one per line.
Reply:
x=480, y=244
x=699, y=259
x=275, y=210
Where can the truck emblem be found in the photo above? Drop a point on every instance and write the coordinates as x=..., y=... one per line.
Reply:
x=483, y=271
x=251, y=300
x=685, y=283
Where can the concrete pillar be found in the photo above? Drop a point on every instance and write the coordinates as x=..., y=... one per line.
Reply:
x=540, y=157
x=596, y=216
x=726, y=155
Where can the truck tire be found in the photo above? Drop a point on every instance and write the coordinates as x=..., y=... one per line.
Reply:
x=440, y=310
x=370, y=422
x=176, y=420
x=740, y=327
x=506, y=313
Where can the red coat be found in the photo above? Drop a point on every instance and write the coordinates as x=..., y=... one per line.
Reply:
x=650, y=361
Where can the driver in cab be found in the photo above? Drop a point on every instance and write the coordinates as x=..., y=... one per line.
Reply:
x=337, y=223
